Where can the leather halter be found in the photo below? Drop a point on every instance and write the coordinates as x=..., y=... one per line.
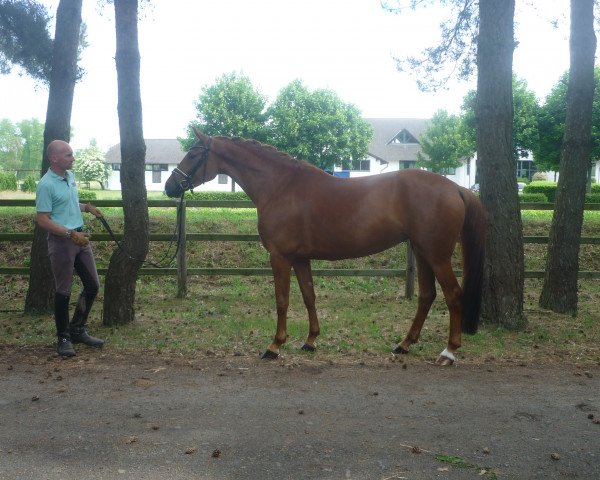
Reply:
x=186, y=182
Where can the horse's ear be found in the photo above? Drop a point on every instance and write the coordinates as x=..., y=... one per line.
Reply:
x=198, y=133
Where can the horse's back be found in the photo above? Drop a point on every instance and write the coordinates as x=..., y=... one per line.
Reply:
x=326, y=217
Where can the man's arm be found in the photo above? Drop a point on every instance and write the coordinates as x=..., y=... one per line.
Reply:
x=88, y=207
x=43, y=220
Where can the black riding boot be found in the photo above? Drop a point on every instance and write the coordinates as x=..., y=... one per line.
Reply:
x=61, y=318
x=78, y=324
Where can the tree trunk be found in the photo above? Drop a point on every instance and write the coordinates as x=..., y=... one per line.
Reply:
x=119, y=289
x=505, y=270
x=40, y=294
x=559, y=292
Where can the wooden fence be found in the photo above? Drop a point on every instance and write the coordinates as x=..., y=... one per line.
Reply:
x=182, y=271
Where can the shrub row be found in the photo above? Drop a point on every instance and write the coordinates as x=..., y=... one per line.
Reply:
x=8, y=181
x=216, y=196
x=548, y=189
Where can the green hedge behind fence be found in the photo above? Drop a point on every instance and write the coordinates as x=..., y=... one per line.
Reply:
x=549, y=190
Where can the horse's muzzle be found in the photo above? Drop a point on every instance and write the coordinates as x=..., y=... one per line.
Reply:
x=173, y=189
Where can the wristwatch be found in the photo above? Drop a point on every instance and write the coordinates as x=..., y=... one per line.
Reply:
x=68, y=234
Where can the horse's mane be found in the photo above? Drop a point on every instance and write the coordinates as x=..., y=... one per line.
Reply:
x=268, y=151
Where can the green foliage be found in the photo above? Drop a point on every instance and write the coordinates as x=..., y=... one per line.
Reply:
x=8, y=181
x=547, y=188
x=21, y=144
x=85, y=195
x=216, y=196
x=595, y=187
x=444, y=145
x=523, y=180
x=29, y=184
x=314, y=126
x=25, y=39
x=533, y=198
x=32, y=134
x=89, y=166
x=11, y=147
x=592, y=198
x=231, y=107
x=525, y=121
x=552, y=117
x=318, y=127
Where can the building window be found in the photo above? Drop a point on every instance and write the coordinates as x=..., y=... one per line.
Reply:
x=223, y=179
x=525, y=169
x=406, y=164
x=156, y=167
x=115, y=166
x=361, y=165
x=404, y=138
x=448, y=171
x=156, y=176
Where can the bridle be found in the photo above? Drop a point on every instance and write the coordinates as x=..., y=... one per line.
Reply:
x=186, y=182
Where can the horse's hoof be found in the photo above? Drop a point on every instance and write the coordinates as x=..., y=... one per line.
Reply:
x=444, y=361
x=269, y=355
x=308, y=348
x=399, y=350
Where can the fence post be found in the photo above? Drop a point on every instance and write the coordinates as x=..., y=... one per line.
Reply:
x=409, y=287
x=181, y=253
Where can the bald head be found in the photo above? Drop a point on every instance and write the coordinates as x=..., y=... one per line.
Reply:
x=57, y=147
x=60, y=155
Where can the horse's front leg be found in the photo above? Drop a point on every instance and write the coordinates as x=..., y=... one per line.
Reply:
x=281, y=275
x=305, y=282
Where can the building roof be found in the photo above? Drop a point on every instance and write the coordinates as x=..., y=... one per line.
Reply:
x=396, y=139
x=167, y=151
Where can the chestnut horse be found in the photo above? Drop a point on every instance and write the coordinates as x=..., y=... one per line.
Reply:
x=305, y=213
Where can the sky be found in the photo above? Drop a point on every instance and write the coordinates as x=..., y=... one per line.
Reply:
x=346, y=46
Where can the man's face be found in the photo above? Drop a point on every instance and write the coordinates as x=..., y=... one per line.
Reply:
x=63, y=157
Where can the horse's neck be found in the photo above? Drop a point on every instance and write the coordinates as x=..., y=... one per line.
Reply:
x=257, y=176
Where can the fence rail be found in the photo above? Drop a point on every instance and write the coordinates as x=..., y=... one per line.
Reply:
x=182, y=271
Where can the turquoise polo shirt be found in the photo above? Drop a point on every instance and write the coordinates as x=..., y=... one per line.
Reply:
x=59, y=196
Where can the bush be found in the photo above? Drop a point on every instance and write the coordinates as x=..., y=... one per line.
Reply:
x=8, y=181
x=29, y=184
x=214, y=196
x=86, y=195
x=524, y=180
x=533, y=198
x=592, y=197
x=547, y=188
x=595, y=187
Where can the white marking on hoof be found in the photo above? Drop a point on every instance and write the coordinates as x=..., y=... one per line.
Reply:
x=445, y=358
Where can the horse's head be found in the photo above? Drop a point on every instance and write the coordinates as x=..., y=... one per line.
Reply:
x=193, y=169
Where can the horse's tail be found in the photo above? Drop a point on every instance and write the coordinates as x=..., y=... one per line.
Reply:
x=473, y=256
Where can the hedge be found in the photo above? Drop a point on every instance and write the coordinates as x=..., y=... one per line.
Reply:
x=86, y=195
x=8, y=181
x=533, y=198
x=547, y=188
x=214, y=196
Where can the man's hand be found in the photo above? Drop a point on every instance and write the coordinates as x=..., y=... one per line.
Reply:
x=93, y=210
x=79, y=238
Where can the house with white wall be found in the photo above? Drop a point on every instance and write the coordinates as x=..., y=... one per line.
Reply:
x=395, y=145
x=162, y=156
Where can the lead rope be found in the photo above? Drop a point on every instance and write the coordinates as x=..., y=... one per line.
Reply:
x=176, y=237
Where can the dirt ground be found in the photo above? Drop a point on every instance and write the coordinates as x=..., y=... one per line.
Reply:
x=109, y=415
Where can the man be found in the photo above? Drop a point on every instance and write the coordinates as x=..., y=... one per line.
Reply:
x=59, y=213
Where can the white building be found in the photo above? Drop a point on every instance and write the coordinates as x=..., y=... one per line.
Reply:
x=162, y=156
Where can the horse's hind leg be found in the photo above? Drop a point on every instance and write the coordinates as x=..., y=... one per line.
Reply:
x=426, y=297
x=281, y=275
x=305, y=281
x=453, y=295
